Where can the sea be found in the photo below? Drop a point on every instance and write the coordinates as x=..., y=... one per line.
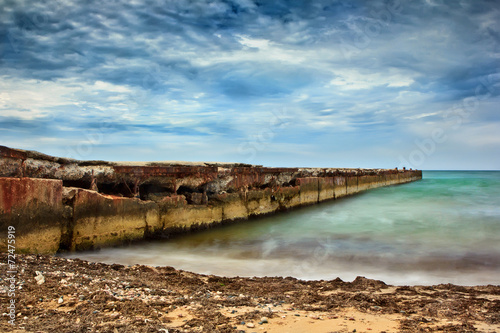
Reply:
x=444, y=228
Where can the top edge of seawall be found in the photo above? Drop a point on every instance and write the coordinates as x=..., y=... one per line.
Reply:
x=20, y=154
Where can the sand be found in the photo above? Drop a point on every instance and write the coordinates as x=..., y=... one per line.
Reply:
x=80, y=296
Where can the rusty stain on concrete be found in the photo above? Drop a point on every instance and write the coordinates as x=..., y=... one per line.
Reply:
x=76, y=205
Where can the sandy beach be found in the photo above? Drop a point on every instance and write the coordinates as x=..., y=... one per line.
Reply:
x=70, y=295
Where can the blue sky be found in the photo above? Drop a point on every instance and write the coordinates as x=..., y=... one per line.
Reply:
x=279, y=83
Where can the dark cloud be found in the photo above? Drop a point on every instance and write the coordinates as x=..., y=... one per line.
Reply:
x=219, y=67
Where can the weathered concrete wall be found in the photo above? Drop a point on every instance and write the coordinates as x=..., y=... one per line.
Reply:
x=101, y=220
x=75, y=205
x=176, y=213
x=326, y=188
x=288, y=197
x=34, y=207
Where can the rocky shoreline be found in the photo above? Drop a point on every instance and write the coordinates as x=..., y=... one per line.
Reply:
x=54, y=294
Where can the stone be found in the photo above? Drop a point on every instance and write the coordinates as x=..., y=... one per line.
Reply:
x=39, y=278
x=264, y=320
x=60, y=300
x=250, y=325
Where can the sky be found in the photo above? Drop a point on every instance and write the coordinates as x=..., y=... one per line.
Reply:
x=370, y=84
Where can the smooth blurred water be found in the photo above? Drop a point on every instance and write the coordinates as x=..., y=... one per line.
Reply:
x=442, y=229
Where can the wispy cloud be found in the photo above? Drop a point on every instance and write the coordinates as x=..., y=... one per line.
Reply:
x=360, y=81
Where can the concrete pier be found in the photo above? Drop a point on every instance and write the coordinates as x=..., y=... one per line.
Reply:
x=57, y=204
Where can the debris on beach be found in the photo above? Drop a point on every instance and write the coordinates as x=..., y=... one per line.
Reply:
x=81, y=296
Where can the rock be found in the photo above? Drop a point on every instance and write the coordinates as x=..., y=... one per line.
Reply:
x=264, y=320
x=114, y=315
x=250, y=325
x=60, y=300
x=39, y=278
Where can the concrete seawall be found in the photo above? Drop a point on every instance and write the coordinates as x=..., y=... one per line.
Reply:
x=58, y=204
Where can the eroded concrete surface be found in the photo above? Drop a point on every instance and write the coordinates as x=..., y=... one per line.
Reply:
x=59, y=204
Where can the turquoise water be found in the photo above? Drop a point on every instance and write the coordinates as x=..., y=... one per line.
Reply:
x=444, y=228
